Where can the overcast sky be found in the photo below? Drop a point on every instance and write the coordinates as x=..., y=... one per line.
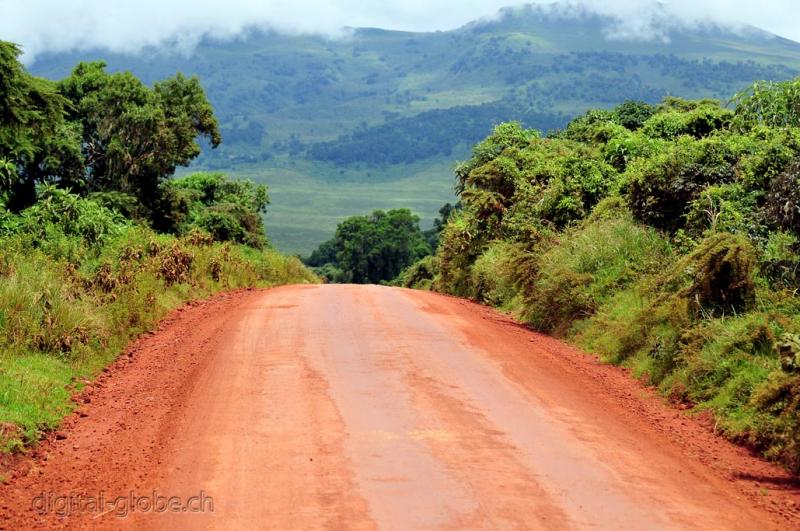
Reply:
x=124, y=25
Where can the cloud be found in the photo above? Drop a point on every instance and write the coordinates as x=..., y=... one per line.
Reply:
x=128, y=26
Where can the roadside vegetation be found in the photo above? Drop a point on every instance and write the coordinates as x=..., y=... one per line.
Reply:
x=371, y=249
x=663, y=238
x=97, y=240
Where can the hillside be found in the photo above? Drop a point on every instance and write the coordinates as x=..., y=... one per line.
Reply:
x=373, y=120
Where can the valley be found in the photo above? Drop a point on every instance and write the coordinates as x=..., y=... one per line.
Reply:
x=326, y=121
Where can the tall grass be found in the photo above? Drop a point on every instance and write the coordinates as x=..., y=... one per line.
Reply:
x=68, y=308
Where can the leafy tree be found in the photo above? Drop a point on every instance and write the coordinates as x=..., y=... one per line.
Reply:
x=633, y=114
x=374, y=248
x=133, y=137
x=37, y=144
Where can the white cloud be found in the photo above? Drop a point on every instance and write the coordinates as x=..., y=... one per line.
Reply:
x=63, y=25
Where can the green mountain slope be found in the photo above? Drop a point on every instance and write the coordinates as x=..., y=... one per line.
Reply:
x=373, y=120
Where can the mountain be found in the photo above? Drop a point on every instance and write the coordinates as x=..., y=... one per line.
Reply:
x=374, y=120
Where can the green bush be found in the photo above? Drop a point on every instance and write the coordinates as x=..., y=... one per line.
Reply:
x=660, y=188
x=697, y=122
x=783, y=200
x=421, y=274
x=588, y=265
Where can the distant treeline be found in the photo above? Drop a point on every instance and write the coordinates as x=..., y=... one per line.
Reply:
x=428, y=134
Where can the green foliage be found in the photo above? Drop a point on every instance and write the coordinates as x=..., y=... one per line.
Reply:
x=372, y=249
x=63, y=225
x=432, y=235
x=504, y=136
x=633, y=114
x=661, y=187
x=724, y=208
x=494, y=277
x=718, y=276
x=668, y=244
x=588, y=265
x=420, y=274
x=37, y=143
x=677, y=118
x=769, y=103
x=780, y=259
x=228, y=209
x=96, y=132
x=783, y=199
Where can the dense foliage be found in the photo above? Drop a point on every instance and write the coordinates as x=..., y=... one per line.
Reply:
x=663, y=237
x=97, y=132
x=229, y=210
x=371, y=249
x=86, y=196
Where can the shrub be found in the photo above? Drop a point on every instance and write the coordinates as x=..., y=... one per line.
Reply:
x=783, y=201
x=721, y=272
x=660, y=188
x=421, y=274
x=780, y=259
x=724, y=208
x=588, y=265
x=699, y=122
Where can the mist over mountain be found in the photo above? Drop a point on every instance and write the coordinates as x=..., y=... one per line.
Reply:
x=342, y=119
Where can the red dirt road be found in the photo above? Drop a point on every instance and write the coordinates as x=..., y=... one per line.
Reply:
x=362, y=407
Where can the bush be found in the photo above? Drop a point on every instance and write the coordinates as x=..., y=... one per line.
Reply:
x=588, y=265
x=780, y=259
x=721, y=272
x=661, y=187
x=698, y=122
x=724, y=208
x=421, y=274
x=783, y=201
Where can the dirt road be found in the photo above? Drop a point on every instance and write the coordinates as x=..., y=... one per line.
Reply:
x=346, y=407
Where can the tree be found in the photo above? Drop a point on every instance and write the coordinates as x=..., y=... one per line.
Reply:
x=374, y=248
x=96, y=132
x=134, y=137
x=37, y=144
